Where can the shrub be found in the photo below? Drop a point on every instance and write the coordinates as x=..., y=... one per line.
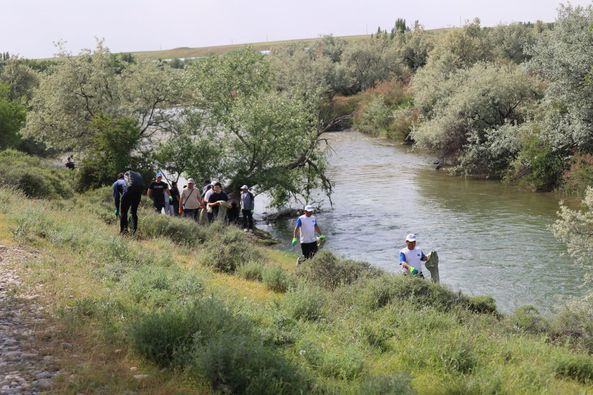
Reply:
x=377, y=335
x=328, y=271
x=33, y=177
x=276, y=279
x=575, y=323
x=228, y=249
x=458, y=356
x=482, y=304
x=305, y=303
x=167, y=336
x=159, y=286
x=528, y=319
x=399, y=384
x=576, y=367
x=580, y=174
x=243, y=365
x=178, y=230
x=252, y=271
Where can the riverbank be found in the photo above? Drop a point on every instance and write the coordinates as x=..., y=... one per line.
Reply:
x=183, y=309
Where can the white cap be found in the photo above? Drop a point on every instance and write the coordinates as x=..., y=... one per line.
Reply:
x=244, y=187
x=411, y=237
x=309, y=208
x=191, y=181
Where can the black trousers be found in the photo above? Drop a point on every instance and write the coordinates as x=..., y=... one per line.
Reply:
x=159, y=206
x=130, y=200
x=247, y=219
x=309, y=249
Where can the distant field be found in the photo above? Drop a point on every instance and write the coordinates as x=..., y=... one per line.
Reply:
x=185, y=52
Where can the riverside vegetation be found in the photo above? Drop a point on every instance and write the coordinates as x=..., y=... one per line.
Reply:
x=186, y=309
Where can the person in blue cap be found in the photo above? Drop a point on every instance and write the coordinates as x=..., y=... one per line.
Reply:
x=156, y=191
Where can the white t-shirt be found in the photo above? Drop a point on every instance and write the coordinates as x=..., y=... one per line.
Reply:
x=307, y=226
x=411, y=257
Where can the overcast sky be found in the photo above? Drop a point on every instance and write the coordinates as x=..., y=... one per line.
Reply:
x=30, y=27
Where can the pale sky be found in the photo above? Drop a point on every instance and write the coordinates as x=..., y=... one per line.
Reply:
x=30, y=27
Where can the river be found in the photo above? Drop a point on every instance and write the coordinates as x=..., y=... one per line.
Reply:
x=492, y=239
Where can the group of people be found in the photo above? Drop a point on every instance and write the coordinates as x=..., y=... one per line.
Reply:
x=211, y=202
x=201, y=205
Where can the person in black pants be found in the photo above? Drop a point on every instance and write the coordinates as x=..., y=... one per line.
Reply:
x=175, y=195
x=247, y=205
x=156, y=191
x=127, y=192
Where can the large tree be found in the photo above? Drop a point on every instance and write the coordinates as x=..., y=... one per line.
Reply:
x=252, y=133
x=79, y=88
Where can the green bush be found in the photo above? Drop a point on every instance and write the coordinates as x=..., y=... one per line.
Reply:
x=276, y=279
x=528, y=319
x=576, y=367
x=252, y=271
x=458, y=356
x=228, y=249
x=481, y=304
x=328, y=271
x=305, y=303
x=178, y=230
x=240, y=364
x=399, y=384
x=33, y=177
x=168, y=337
x=575, y=323
x=157, y=286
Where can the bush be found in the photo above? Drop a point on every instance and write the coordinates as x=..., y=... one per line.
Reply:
x=242, y=365
x=328, y=271
x=33, y=177
x=305, y=303
x=576, y=367
x=384, y=290
x=458, y=356
x=528, y=319
x=482, y=304
x=276, y=279
x=575, y=323
x=228, y=249
x=178, y=230
x=399, y=384
x=252, y=271
x=167, y=337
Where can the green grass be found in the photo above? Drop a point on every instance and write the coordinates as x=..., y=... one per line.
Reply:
x=158, y=304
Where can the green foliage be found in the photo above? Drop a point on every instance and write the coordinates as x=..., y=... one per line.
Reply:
x=579, y=175
x=573, y=323
x=33, y=177
x=12, y=118
x=243, y=365
x=528, y=319
x=178, y=230
x=538, y=166
x=576, y=367
x=399, y=384
x=305, y=303
x=276, y=279
x=252, y=271
x=482, y=304
x=227, y=249
x=328, y=271
x=114, y=140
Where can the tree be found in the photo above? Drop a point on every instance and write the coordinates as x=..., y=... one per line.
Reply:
x=21, y=79
x=564, y=57
x=12, y=118
x=82, y=87
x=265, y=138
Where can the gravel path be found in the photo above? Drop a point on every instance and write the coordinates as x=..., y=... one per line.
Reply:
x=23, y=367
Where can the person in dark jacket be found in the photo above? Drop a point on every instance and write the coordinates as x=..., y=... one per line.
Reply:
x=127, y=192
x=247, y=206
x=175, y=195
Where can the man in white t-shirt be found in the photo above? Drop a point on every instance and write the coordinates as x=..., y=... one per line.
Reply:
x=411, y=257
x=190, y=201
x=306, y=229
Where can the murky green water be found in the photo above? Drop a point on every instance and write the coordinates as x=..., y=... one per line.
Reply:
x=492, y=239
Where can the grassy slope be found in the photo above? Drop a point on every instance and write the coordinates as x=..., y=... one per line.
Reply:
x=95, y=295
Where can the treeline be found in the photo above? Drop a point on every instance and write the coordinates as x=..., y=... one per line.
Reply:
x=508, y=102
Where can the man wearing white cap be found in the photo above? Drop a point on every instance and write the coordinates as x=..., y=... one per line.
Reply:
x=411, y=257
x=306, y=227
x=190, y=200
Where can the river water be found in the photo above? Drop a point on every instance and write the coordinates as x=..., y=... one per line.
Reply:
x=492, y=239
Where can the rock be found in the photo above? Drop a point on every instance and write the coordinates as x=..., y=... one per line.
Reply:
x=141, y=377
x=67, y=346
x=42, y=383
